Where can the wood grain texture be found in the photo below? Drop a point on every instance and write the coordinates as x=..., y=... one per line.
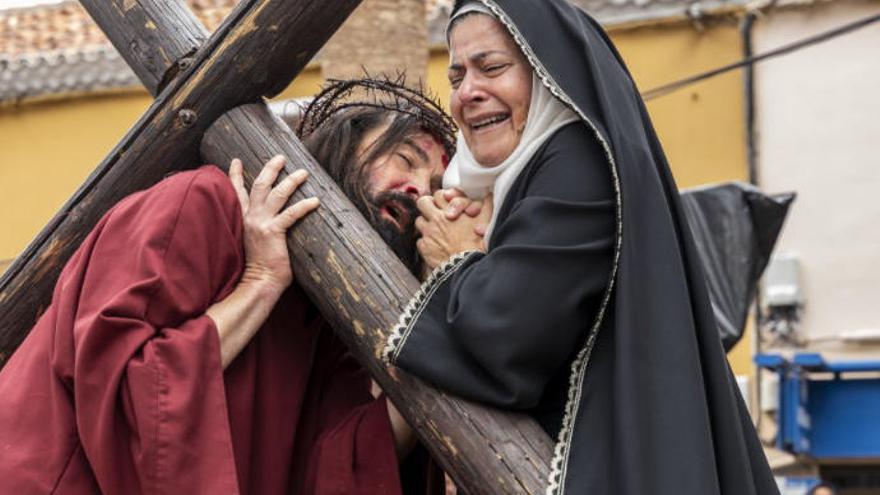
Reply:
x=153, y=36
x=361, y=288
x=248, y=57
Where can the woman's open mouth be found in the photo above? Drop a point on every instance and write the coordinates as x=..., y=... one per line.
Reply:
x=490, y=122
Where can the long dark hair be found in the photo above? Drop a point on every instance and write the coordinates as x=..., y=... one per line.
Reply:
x=335, y=145
x=338, y=120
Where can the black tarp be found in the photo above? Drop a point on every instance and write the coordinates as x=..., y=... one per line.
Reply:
x=735, y=227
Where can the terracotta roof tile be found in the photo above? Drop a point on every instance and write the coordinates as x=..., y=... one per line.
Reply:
x=67, y=25
x=50, y=49
x=57, y=48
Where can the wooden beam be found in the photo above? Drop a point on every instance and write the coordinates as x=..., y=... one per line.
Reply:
x=245, y=59
x=155, y=37
x=361, y=288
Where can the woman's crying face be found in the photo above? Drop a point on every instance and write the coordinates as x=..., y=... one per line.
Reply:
x=491, y=87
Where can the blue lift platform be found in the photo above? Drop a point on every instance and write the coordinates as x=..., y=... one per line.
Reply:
x=827, y=410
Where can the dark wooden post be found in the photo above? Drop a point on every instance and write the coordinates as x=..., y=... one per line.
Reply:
x=155, y=37
x=361, y=288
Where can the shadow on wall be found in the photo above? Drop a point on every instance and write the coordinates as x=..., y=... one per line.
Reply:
x=4, y=264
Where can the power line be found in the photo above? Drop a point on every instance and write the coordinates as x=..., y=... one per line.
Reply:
x=797, y=45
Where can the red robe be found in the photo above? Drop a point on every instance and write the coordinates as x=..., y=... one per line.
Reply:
x=119, y=386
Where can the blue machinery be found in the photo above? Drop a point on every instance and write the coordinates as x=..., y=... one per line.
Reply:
x=826, y=412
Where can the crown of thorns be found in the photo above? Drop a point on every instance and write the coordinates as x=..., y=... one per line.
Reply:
x=386, y=93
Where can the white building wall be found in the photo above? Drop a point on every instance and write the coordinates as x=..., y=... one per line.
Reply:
x=818, y=126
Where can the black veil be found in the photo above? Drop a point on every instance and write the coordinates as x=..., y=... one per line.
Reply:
x=653, y=406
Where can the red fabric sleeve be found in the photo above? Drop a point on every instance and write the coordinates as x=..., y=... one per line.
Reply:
x=147, y=379
x=354, y=452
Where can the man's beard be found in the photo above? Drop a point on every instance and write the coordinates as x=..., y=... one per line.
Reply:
x=400, y=233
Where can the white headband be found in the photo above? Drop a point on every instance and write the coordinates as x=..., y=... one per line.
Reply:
x=468, y=8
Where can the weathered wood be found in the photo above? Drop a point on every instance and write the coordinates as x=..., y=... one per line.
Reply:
x=361, y=288
x=155, y=37
x=256, y=52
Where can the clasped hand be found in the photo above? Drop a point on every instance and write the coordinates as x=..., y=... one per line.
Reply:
x=449, y=224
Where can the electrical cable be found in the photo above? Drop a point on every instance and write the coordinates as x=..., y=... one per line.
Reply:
x=818, y=38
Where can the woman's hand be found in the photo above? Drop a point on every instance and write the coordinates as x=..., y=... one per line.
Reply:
x=442, y=237
x=266, y=222
x=457, y=203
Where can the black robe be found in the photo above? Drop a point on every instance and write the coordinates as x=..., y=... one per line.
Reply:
x=590, y=309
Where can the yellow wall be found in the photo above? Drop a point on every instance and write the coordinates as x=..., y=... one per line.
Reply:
x=306, y=84
x=47, y=149
x=701, y=127
x=437, y=81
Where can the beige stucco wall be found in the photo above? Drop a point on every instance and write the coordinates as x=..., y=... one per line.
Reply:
x=819, y=131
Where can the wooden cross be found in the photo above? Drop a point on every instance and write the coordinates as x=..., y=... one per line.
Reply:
x=209, y=94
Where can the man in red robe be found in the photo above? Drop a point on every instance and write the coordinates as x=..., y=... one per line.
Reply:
x=176, y=356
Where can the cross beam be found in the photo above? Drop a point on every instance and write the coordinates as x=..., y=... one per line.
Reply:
x=361, y=287
x=156, y=36
x=341, y=262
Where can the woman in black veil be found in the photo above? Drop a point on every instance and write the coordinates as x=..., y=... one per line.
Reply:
x=588, y=307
